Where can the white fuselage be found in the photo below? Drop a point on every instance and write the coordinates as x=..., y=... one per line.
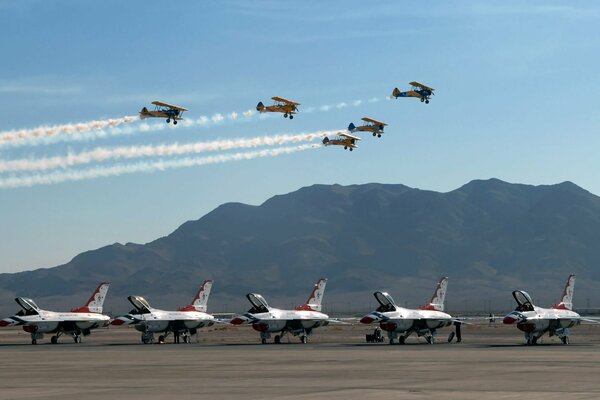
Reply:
x=164, y=321
x=406, y=321
x=541, y=320
x=293, y=321
x=50, y=321
x=403, y=320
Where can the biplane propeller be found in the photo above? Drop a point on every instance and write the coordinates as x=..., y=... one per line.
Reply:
x=342, y=139
x=370, y=125
x=163, y=110
x=418, y=90
x=281, y=105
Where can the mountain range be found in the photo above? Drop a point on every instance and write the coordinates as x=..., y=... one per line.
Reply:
x=490, y=237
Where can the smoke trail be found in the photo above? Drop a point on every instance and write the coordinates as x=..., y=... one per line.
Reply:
x=165, y=150
x=15, y=139
x=67, y=129
x=150, y=166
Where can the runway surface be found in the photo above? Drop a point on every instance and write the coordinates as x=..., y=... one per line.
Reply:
x=227, y=362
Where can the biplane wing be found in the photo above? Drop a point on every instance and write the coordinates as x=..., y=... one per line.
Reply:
x=373, y=121
x=420, y=85
x=282, y=100
x=347, y=135
x=161, y=104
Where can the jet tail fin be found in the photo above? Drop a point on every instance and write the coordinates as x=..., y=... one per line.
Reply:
x=439, y=295
x=96, y=301
x=316, y=297
x=566, y=300
x=201, y=299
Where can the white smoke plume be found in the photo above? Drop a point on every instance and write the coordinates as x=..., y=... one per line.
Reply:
x=101, y=154
x=95, y=130
x=67, y=129
x=149, y=166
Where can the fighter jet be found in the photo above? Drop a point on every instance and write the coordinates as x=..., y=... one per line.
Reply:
x=400, y=322
x=534, y=321
x=184, y=322
x=78, y=322
x=299, y=322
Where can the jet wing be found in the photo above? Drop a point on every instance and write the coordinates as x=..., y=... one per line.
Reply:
x=161, y=104
x=591, y=320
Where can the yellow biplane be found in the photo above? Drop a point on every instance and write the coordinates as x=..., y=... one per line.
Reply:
x=287, y=107
x=370, y=125
x=418, y=90
x=163, y=110
x=342, y=139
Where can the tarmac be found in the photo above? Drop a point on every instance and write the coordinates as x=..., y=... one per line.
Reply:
x=491, y=362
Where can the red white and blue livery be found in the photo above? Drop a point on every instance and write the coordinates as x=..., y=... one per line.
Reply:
x=299, y=322
x=181, y=323
x=400, y=323
x=534, y=321
x=76, y=323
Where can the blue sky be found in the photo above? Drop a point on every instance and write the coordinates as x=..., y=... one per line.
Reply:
x=516, y=82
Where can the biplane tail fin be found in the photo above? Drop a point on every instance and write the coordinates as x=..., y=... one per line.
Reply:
x=144, y=113
x=351, y=127
x=260, y=106
x=396, y=93
x=325, y=140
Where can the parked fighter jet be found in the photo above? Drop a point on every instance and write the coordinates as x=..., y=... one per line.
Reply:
x=79, y=321
x=400, y=322
x=185, y=321
x=299, y=322
x=534, y=321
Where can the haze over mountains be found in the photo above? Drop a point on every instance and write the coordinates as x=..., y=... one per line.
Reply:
x=490, y=237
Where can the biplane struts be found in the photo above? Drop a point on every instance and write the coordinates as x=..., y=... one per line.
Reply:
x=163, y=110
x=418, y=90
x=370, y=125
x=281, y=105
x=342, y=139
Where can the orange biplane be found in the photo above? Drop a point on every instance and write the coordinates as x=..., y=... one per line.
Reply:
x=287, y=107
x=163, y=110
x=370, y=125
x=342, y=139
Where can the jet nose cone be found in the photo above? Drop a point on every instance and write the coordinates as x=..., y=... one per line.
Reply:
x=510, y=319
x=369, y=318
x=237, y=321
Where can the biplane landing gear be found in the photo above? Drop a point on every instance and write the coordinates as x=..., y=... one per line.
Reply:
x=351, y=149
x=374, y=134
x=345, y=147
x=422, y=99
x=291, y=116
x=285, y=115
x=379, y=135
x=174, y=122
x=168, y=120
x=426, y=101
